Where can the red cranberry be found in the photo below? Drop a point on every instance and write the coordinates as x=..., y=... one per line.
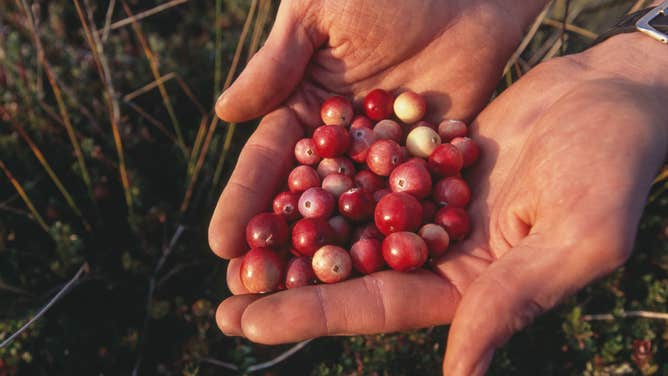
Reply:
x=341, y=229
x=330, y=141
x=452, y=191
x=267, y=230
x=361, y=140
x=398, y=212
x=429, y=209
x=384, y=156
x=369, y=181
x=261, y=270
x=299, y=273
x=305, y=152
x=455, y=221
x=445, y=160
x=316, y=203
x=409, y=107
x=286, y=204
x=337, y=184
x=336, y=110
x=361, y=121
x=367, y=256
x=449, y=129
x=332, y=264
x=470, y=151
x=303, y=178
x=436, y=237
x=368, y=231
x=309, y=234
x=388, y=130
x=378, y=104
x=356, y=204
x=417, y=160
x=404, y=251
x=340, y=165
x=412, y=178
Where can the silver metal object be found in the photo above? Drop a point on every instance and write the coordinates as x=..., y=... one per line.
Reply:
x=644, y=24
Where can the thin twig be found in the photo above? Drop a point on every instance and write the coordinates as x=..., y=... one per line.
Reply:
x=265, y=7
x=68, y=286
x=59, y=98
x=663, y=175
x=14, y=289
x=52, y=174
x=107, y=20
x=570, y=27
x=153, y=64
x=151, y=120
x=258, y=28
x=24, y=197
x=214, y=121
x=637, y=6
x=161, y=80
x=15, y=211
x=149, y=297
x=625, y=314
x=291, y=351
x=189, y=93
x=149, y=86
x=113, y=107
x=555, y=48
x=260, y=366
x=218, y=48
x=199, y=137
x=220, y=363
x=527, y=38
x=146, y=13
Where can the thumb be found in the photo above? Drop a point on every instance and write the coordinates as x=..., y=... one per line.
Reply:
x=525, y=282
x=275, y=70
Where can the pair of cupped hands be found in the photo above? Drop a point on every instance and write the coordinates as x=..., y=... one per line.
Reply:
x=568, y=156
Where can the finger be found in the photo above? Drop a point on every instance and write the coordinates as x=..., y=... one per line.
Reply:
x=530, y=279
x=274, y=72
x=262, y=167
x=234, y=277
x=381, y=302
x=228, y=314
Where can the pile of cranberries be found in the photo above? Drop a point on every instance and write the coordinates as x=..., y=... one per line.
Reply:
x=369, y=191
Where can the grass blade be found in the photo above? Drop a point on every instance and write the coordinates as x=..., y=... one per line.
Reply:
x=59, y=98
x=153, y=63
x=214, y=121
x=113, y=108
x=54, y=177
x=24, y=197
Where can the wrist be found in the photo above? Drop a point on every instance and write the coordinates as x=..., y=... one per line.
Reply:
x=639, y=62
x=631, y=56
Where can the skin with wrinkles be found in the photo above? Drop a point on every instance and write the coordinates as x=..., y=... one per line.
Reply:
x=568, y=155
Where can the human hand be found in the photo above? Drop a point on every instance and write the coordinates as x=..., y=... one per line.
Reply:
x=317, y=48
x=569, y=153
x=438, y=48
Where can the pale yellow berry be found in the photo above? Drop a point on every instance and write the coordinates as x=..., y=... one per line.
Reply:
x=422, y=141
x=409, y=107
